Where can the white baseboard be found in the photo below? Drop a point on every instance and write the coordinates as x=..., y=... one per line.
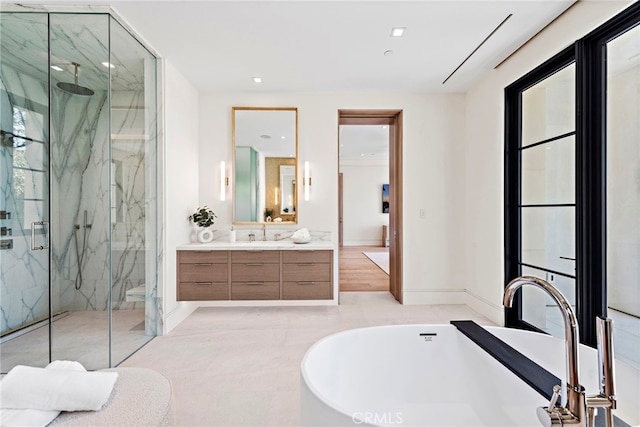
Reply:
x=494, y=312
x=175, y=317
x=434, y=296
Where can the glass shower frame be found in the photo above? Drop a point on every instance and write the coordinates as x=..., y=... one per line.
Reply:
x=123, y=187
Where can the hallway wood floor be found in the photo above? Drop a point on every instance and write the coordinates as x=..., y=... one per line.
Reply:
x=359, y=273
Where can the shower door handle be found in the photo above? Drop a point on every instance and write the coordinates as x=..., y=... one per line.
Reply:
x=45, y=228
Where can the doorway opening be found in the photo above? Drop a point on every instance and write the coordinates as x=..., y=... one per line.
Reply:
x=370, y=201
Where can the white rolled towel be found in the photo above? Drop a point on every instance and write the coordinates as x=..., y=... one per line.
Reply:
x=62, y=387
x=301, y=235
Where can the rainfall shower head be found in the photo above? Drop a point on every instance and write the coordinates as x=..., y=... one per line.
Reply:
x=75, y=88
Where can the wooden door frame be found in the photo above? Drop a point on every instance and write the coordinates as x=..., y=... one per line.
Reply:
x=393, y=118
x=340, y=210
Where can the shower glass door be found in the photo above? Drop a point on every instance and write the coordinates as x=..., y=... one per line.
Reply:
x=133, y=194
x=80, y=191
x=24, y=196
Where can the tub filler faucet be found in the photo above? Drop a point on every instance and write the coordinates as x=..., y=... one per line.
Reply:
x=578, y=406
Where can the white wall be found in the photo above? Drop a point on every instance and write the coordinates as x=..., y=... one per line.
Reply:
x=180, y=181
x=362, y=201
x=484, y=148
x=433, y=171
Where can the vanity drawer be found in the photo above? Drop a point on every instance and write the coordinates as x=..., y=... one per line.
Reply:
x=306, y=256
x=255, y=290
x=196, y=291
x=255, y=257
x=306, y=271
x=203, y=272
x=255, y=271
x=203, y=257
x=307, y=290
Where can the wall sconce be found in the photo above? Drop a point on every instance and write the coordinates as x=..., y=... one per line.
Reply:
x=275, y=196
x=224, y=181
x=307, y=181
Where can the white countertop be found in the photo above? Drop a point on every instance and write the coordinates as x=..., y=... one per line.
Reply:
x=285, y=244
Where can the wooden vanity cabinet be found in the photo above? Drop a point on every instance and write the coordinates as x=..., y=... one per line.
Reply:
x=255, y=275
x=203, y=275
x=307, y=275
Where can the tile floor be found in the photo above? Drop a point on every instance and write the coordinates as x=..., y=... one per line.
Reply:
x=81, y=336
x=240, y=366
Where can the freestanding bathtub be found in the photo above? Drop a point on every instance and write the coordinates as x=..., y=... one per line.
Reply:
x=426, y=375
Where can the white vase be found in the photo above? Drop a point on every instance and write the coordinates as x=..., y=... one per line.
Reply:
x=205, y=235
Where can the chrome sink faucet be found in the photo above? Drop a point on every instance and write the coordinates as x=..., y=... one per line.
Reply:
x=264, y=233
x=577, y=404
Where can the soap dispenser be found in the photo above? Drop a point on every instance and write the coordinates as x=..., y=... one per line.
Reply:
x=232, y=235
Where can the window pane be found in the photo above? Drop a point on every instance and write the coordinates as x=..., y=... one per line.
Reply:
x=548, y=237
x=623, y=193
x=548, y=173
x=548, y=108
x=28, y=123
x=538, y=309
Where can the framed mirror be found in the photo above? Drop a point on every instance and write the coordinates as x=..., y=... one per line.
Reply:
x=265, y=159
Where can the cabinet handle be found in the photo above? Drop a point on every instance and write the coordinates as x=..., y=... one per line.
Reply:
x=203, y=283
x=256, y=264
x=306, y=264
x=307, y=282
x=203, y=264
x=255, y=283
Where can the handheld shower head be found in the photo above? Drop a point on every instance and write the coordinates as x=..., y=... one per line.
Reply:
x=75, y=88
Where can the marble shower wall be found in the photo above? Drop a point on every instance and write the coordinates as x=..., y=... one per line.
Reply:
x=80, y=182
x=129, y=198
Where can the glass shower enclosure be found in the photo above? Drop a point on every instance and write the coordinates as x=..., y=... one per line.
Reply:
x=78, y=214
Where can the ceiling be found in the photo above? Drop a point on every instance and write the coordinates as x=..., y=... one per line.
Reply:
x=311, y=46
x=364, y=142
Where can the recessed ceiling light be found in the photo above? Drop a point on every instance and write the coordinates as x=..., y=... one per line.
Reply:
x=57, y=68
x=283, y=137
x=397, y=31
x=257, y=79
x=108, y=64
x=265, y=136
x=388, y=52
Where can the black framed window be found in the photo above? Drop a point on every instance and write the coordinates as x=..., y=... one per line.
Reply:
x=556, y=181
x=28, y=157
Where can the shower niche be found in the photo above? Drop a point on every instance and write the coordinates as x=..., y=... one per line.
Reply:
x=78, y=165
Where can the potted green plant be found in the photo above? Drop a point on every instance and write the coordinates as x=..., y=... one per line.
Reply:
x=203, y=217
x=268, y=214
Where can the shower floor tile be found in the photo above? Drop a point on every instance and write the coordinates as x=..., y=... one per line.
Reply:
x=81, y=336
